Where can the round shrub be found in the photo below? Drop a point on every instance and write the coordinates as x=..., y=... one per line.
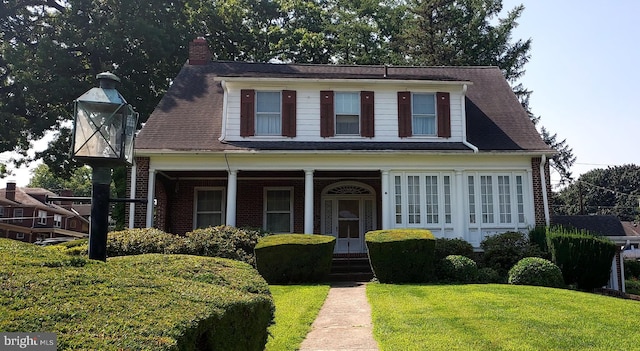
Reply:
x=536, y=271
x=458, y=269
x=221, y=241
x=631, y=269
x=139, y=241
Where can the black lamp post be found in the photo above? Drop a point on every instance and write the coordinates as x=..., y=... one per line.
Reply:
x=103, y=132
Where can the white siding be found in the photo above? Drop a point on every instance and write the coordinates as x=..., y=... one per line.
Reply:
x=308, y=112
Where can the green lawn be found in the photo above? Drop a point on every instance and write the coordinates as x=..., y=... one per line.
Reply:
x=500, y=317
x=296, y=308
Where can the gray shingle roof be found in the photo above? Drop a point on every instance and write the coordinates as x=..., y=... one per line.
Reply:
x=189, y=116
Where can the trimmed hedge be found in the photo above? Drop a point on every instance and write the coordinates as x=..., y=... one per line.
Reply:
x=459, y=269
x=585, y=259
x=536, y=271
x=140, y=241
x=401, y=255
x=295, y=258
x=145, y=302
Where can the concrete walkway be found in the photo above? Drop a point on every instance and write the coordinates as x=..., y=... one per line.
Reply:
x=344, y=321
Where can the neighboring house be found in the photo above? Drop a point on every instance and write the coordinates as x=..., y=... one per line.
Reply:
x=340, y=150
x=608, y=226
x=26, y=215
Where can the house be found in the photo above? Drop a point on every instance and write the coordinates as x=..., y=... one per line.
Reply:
x=608, y=226
x=339, y=150
x=26, y=215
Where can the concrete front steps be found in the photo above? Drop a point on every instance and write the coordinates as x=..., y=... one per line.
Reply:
x=353, y=267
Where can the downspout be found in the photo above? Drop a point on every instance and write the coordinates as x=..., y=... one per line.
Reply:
x=543, y=181
x=464, y=121
x=223, y=131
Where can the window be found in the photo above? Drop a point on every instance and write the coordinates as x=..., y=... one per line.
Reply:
x=501, y=199
x=278, y=207
x=1, y=211
x=57, y=220
x=423, y=112
x=347, y=113
x=209, y=205
x=73, y=224
x=42, y=217
x=268, y=113
x=426, y=198
x=19, y=235
x=18, y=213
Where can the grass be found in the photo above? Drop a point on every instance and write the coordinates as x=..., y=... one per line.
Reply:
x=499, y=317
x=296, y=308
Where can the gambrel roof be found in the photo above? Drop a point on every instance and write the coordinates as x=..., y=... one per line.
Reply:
x=189, y=116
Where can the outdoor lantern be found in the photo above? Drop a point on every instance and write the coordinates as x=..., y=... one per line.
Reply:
x=104, y=125
x=103, y=131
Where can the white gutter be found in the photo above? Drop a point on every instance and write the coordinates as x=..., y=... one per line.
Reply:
x=281, y=80
x=223, y=131
x=464, y=121
x=543, y=181
x=132, y=194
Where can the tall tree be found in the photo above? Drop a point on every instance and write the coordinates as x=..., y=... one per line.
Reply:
x=79, y=182
x=612, y=190
x=471, y=33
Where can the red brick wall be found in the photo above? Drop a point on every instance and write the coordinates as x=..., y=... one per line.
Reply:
x=538, y=200
x=142, y=184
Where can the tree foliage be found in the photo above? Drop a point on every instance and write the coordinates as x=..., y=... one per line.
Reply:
x=607, y=191
x=51, y=50
x=79, y=182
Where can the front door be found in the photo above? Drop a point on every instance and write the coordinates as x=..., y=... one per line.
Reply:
x=348, y=212
x=349, y=227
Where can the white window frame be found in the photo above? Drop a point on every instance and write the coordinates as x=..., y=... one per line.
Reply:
x=494, y=213
x=19, y=235
x=196, y=212
x=266, y=212
x=422, y=210
x=57, y=221
x=42, y=217
x=262, y=115
x=18, y=214
x=338, y=111
x=415, y=115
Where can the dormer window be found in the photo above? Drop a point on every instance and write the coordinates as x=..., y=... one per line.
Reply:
x=347, y=113
x=423, y=112
x=267, y=113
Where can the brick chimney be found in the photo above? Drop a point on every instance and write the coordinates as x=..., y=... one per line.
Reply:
x=66, y=204
x=11, y=191
x=199, y=53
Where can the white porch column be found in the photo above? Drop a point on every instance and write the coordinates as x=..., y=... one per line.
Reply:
x=151, y=191
x=232, y=197
x=308, y=201
x=386, y=201
x=132, y=194
x=459, y=208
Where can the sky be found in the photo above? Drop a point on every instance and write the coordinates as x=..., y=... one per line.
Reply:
x=583, y=73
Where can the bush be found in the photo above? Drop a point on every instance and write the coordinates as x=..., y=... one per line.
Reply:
x=140, y=241
x=632, y=286
x=538, y=237
x=78, y=247
x=502, y=251
x=446, y=247
x=536, y=271
x=631, y=269
x=488, y=275
x=459, y=269
x=143, y=302
x=401, y=255
x=221, y=241
x=583, y=258
x=295, y=258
